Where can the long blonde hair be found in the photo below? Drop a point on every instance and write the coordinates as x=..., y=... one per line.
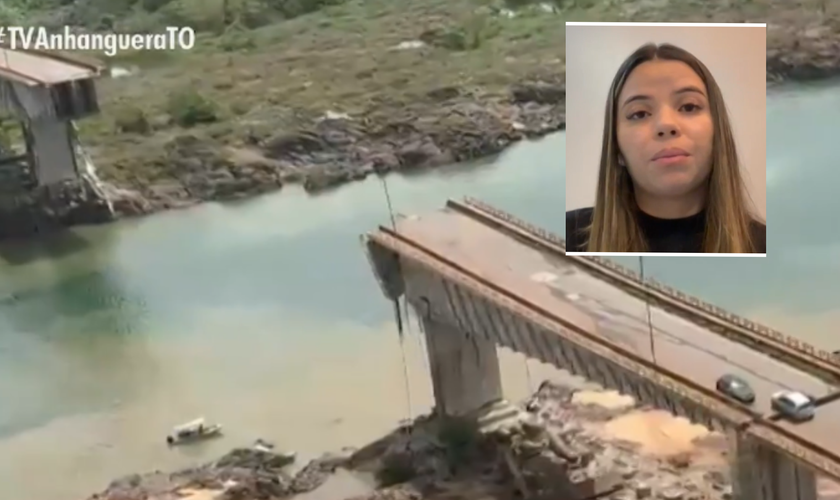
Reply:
x=615, y=226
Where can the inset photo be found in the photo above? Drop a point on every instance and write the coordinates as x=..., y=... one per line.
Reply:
x=666, y=139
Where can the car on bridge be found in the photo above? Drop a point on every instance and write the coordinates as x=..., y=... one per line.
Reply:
x=793, y=405
x=736, y=388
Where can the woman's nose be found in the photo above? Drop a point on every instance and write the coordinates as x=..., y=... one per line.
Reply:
x=666, y=126
x=669, y=130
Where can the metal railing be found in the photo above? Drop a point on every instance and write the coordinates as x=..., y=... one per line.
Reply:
x=818, y=362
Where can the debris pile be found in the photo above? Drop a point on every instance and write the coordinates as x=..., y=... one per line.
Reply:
x=562, y=444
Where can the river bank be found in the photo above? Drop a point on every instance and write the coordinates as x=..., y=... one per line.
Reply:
x=446, y=125
x=384, y=87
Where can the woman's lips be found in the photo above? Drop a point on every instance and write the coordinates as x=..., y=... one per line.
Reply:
x=671, y=160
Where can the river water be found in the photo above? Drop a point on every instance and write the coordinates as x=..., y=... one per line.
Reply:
x=264, y=316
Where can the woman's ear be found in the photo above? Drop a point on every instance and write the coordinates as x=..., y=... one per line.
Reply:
x=621, y=161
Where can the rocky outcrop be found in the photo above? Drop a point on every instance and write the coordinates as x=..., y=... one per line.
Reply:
x=453, y=129
x=242, y=474
x=448, y=125
x=335, y=149
x=558, y=449
x=808, y=53
x=45, y=209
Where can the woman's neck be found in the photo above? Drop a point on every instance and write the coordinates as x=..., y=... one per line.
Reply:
x=671, y=208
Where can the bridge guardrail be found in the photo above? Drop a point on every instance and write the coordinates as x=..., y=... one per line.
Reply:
x=761, y=333
x=783, y=439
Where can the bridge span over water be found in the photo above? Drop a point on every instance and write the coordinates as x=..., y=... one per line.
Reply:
x=480, y=278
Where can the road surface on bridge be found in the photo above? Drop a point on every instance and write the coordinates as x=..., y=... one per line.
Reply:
x=40, y=68
x=554, y=283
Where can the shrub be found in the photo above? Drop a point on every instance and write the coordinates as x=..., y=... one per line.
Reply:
x=132, y=120
x=295, y=8
x=154, y=5
x=468, y=36
x=189, y=108
x=236, y=41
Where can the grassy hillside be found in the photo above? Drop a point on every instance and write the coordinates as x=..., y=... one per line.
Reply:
x=267, y=66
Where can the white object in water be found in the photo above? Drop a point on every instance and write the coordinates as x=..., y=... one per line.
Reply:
x=192, y=431
x=262, y=445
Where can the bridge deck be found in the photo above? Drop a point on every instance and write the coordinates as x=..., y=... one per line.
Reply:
x=33, y=68
x=554, y=283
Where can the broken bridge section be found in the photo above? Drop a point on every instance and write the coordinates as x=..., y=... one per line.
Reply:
x=475, y=288
x=46, y=178
x=450, y=307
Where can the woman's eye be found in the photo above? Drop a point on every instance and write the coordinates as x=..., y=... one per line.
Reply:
x=638, y=115
x=690, y=108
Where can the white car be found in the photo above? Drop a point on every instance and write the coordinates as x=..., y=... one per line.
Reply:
x=793, y=405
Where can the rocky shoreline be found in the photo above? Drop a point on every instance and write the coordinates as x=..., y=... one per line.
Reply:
x=561, y=446
x=451, y=125
x=448, y=125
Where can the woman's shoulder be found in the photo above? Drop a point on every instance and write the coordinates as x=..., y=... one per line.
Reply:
x=581, y=217
x=758, y=235
x=576, y=223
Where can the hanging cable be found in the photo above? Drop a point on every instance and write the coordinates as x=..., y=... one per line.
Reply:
x=406, y=378
x=647, y=308
x=388, y=201
x=400, y=324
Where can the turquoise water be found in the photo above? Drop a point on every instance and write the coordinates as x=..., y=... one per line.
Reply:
x=264, y=315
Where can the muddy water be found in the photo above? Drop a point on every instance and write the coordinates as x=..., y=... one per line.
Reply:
x=263, y=315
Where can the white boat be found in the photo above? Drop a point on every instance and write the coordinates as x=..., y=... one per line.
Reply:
x=195, y=430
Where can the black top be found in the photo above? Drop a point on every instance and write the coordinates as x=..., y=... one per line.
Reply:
x=663, y=235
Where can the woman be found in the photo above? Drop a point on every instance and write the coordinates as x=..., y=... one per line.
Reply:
x=669, y=178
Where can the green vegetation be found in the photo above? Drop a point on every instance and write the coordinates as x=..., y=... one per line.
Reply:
x=262, y=67
x=189, y=108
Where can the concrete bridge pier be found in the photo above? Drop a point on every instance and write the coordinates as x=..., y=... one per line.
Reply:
x=794, y=481
x=465, y=369
x=761, y=473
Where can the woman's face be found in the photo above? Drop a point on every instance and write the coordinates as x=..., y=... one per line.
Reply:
x=664, y=129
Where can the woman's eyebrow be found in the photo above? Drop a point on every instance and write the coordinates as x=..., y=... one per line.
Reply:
x=690, y=89
x=683, y=90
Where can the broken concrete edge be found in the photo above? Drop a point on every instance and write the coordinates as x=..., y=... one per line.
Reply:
x=529, y=451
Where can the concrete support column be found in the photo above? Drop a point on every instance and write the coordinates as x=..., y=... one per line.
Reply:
x=793, y=481
x=465, y=369
x=745, y=464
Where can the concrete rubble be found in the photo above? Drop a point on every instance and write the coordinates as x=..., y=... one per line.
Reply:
x=558, y=445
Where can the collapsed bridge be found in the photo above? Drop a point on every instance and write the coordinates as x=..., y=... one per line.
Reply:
x=480, y=279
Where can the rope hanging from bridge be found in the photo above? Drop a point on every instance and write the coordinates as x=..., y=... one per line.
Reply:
x=401, y=325
x=401, y=333
x=647, y=309
x=388, y=202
